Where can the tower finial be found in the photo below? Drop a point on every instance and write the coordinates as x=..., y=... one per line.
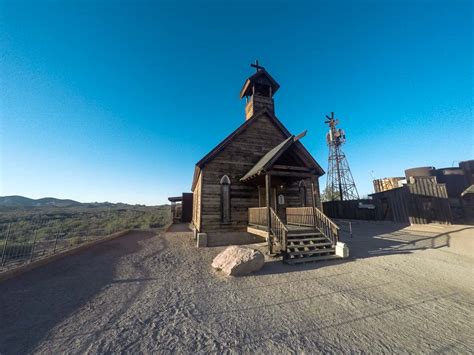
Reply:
x=256, y=66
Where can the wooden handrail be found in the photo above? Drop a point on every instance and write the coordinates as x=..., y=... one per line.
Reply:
x=326, y=226
x=312, y=216
x=278, y=229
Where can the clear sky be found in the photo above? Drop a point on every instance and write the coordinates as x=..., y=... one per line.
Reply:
x=117, y=100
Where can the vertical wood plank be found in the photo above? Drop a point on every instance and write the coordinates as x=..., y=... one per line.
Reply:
x=268, y=183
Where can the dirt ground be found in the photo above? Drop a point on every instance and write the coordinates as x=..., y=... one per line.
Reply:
x=402, y=290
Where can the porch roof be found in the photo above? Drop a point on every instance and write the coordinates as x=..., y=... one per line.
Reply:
x=266, y=160
x=269, y=159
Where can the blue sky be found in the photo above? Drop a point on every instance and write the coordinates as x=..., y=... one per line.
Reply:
x=117, y=100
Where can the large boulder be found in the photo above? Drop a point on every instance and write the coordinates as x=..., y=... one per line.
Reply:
x=238, y=261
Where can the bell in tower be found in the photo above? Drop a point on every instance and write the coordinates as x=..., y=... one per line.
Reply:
x=258, y=91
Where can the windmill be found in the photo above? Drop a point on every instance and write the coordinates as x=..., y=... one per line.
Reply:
x=340, y=184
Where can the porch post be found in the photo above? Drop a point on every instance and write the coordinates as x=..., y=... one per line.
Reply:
x=268, y=187
x=313, y=199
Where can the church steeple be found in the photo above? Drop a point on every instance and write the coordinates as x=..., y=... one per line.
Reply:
x=258, y=91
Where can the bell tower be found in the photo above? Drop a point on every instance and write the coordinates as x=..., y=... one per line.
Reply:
x=258, y=91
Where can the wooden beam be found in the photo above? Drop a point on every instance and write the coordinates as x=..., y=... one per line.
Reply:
x=290, y=173
x=268, y=186
x=290, y=167
x=259, y=196
x=313, y=199
x=301, y=135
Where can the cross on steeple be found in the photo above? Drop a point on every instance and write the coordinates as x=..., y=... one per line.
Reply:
x=256, y=66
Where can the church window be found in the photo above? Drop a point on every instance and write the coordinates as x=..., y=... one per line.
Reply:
x=302, y=190
x=225, y=199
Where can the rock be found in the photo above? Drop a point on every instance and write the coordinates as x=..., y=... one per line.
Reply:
x=238, y=261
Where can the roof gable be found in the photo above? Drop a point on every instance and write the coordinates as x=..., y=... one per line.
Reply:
x=266, y=160
x=273, y=119
x=201, y=163
x=275, y=155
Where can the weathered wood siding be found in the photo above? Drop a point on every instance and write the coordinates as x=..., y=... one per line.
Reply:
x=234, y=161
x=428, y=201
x=197, y=203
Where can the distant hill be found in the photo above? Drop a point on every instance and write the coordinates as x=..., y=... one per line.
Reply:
x=25, y=202
x=21, y=201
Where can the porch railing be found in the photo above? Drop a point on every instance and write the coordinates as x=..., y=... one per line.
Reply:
x=304, y=216
x=278, y=229
x=326, y=226
x=300, y=216
x=258, y=216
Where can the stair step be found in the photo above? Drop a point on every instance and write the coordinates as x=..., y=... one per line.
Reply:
x=304, y=234
x=311, y=259
x=291, y=240
x=300, y=246
x=309, y=252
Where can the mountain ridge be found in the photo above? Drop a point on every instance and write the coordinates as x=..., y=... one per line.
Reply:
x=22, y=201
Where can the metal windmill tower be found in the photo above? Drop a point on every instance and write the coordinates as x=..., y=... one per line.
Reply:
x=340, y=184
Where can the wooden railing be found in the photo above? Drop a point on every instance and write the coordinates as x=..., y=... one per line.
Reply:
x=278, y=229
x=313, y=217
x=300, y=216
x=258, y=216
x=326, y=226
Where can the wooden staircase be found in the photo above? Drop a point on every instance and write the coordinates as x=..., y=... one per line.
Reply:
x=308, y=235
x=308, y=245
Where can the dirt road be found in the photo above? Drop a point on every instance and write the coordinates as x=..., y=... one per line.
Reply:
x=147, y=293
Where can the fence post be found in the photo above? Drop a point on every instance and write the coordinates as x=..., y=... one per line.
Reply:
x=5, y=245
x=33, y=247
x=350, y=228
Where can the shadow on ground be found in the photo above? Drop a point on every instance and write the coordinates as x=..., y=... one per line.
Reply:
x=371, y=239
x=47, y=295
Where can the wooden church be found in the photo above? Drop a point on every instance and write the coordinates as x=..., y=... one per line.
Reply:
x=260, y=182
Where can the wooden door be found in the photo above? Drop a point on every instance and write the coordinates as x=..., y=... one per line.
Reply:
x=262, y=198
x=281, y=204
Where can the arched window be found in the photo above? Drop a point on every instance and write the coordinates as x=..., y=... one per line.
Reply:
x=302, y=189
x=225, y=199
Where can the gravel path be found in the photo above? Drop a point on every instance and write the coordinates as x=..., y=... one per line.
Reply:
x=157, y=293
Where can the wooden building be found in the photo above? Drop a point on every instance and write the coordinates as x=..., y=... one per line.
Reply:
x=181, y=208
x=467, y=199
x=389, y=183
x=422, y=200
x=249, y=185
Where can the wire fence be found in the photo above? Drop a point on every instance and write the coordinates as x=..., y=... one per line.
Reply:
x=25, y=241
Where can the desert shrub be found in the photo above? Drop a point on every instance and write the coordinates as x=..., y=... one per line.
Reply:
x=49, y=222
x=75, y=241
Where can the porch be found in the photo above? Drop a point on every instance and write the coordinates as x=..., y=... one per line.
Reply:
x=289, y=219
x=306, y=235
